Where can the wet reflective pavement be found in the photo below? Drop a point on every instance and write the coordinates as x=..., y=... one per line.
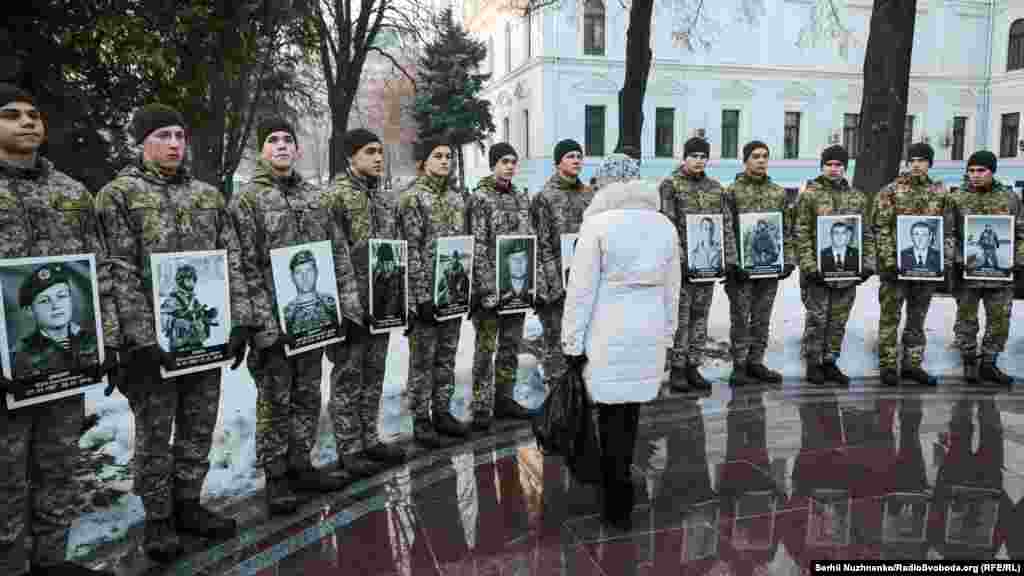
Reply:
x=747, y=481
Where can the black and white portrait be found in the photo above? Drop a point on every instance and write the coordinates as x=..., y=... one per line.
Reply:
x=192, y=308
x=754, y=521
x=453, y=275
x=761, y=244
x=919, y=245
x=389, y=281
x=828, y=520
x=568, y=245
x=839, y=243
x=988, y=247
x=704, y=247
x=904, y=517
x=307, y=295
x=516, y=271
x=50, y=329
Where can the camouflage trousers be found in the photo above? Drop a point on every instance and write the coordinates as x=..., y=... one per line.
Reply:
x=357, y=381
x=164, y=473
x=287, y=407
x=891, y=296
x=495, y=375
x=692, y=333
x=828, y=310
x=554, y=360
x=998, y=307
x=750, y=314
x=432, y=349
x=38, y=449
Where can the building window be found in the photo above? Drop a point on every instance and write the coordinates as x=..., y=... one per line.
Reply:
x=594, y=131
x=730, y=133
x=528, y=40
x=593, y=28
x=792, y=136
x=506, y=126
x=908, y=136
x=526, y=133
x=851, y=134
x=664, y=131
x=1015, y=54
x=1009, y=135
x=959, y=135
x=508, y=47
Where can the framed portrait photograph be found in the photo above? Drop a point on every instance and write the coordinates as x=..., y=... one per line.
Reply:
x=50, y=326
x=700, y=531
x=389, y=285
x=919, y=248
x=971, y=515
x=761, y=244
x=308, y=307
x=192, y=309
x=453, y=276
x=517, y=272
x=705, y=258
x=568, y=245
x=839, y=246
x=828, y=518
x=753, y=524
x=905, y=517
x=988, y=247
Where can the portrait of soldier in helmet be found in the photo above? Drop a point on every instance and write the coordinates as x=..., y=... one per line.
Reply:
x=453, y=267
x=388, y=284
x=185, y=321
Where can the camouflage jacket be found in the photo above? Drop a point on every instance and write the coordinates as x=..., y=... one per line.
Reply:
x=965, y=200
x=276, y=212
x=496, y=213
x=361, y=212
x=751, y=194
x=144, y=212
x=557, y=209
x=823, y=197
x=43, y=212
x=906, y=195
x=428, y=211
x=682, y=194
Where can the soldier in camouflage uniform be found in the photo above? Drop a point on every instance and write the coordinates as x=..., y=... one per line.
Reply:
x=186, y=321
x=430, y=210
x=43, y=212
x=751, y=300
x=498, y=209
x=828, y=304
x=276, y=209
x=912, y=193
x=980, y=194
x=557, y=209
x=154, y=206
x=360, y=209
x=688, y=190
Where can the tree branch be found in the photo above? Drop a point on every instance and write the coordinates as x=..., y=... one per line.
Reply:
x=395, y=63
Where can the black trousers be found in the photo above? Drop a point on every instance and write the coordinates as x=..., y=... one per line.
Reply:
x=617, y=426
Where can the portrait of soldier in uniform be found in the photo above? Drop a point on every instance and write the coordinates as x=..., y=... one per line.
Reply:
x=841, y=253
x=920, y=253
x=184, y=320
x=57, y=342
x=388, y=285
x=707, y=253
x=516, y=282
x=309, y=310
x=766, y=249
x=989, y=247
x=704, y=247
x=454, y=288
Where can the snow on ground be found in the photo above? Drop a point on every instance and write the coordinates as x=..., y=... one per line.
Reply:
x=233, y=474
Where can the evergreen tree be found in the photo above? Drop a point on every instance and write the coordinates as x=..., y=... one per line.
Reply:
x=447, y=102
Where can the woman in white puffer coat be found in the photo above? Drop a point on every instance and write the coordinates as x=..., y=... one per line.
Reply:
x=620, y=315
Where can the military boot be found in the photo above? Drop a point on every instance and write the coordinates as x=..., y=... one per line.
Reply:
x=160, y=540
x=740, y=376
x=507, y=408
x=192, y=518
x=448, y=425
x=67, y=569
x=989, y=372
x=425, y=435
x=280, y=498
x=917, y=375
x=816, y=373
x=890, y=376
x=678, y=380
x=306, y=478
x=761, y=372
x=970, y=368
x=385, y=454
x=695, y=379
x=834, y=374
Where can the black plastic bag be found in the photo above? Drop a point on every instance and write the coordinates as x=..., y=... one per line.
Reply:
x=552, y=426
x=584, y=452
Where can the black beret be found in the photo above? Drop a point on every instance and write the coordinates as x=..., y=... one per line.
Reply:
x=42, y=278
x=921, y=150
x=356, y=139
x=499, y=151
x=270, y=125
x=301, y=257
x=983, y=158
x=152, y=117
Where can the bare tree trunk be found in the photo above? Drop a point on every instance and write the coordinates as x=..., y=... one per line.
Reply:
x=638, y=67
x=462, y=171
x=886, y=85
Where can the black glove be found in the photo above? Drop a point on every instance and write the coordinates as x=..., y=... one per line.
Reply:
x=368, y=321
x=551, y=303
x=737, y=274
x=889, y=275
x=865, y=273
x=238, y=342
x=7, y=387
x=814, y=278
x=110, y=363
x=576, y=362
x=354, y=332
x=158, y=356
x=786, y=271
x=476, y=302
x=425, y=312
x=140, y=365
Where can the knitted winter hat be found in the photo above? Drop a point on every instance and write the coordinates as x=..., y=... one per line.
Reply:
x=921, y=150
x=357, y=138
x=564, y=147
x=617, y=168
x=425, y=147
x=11, y=93
x=836, y=152
x=696, y=145
x=152, y=117
x=749, y=148
x=983, y=158
x=499, y=151
x=270, y=125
